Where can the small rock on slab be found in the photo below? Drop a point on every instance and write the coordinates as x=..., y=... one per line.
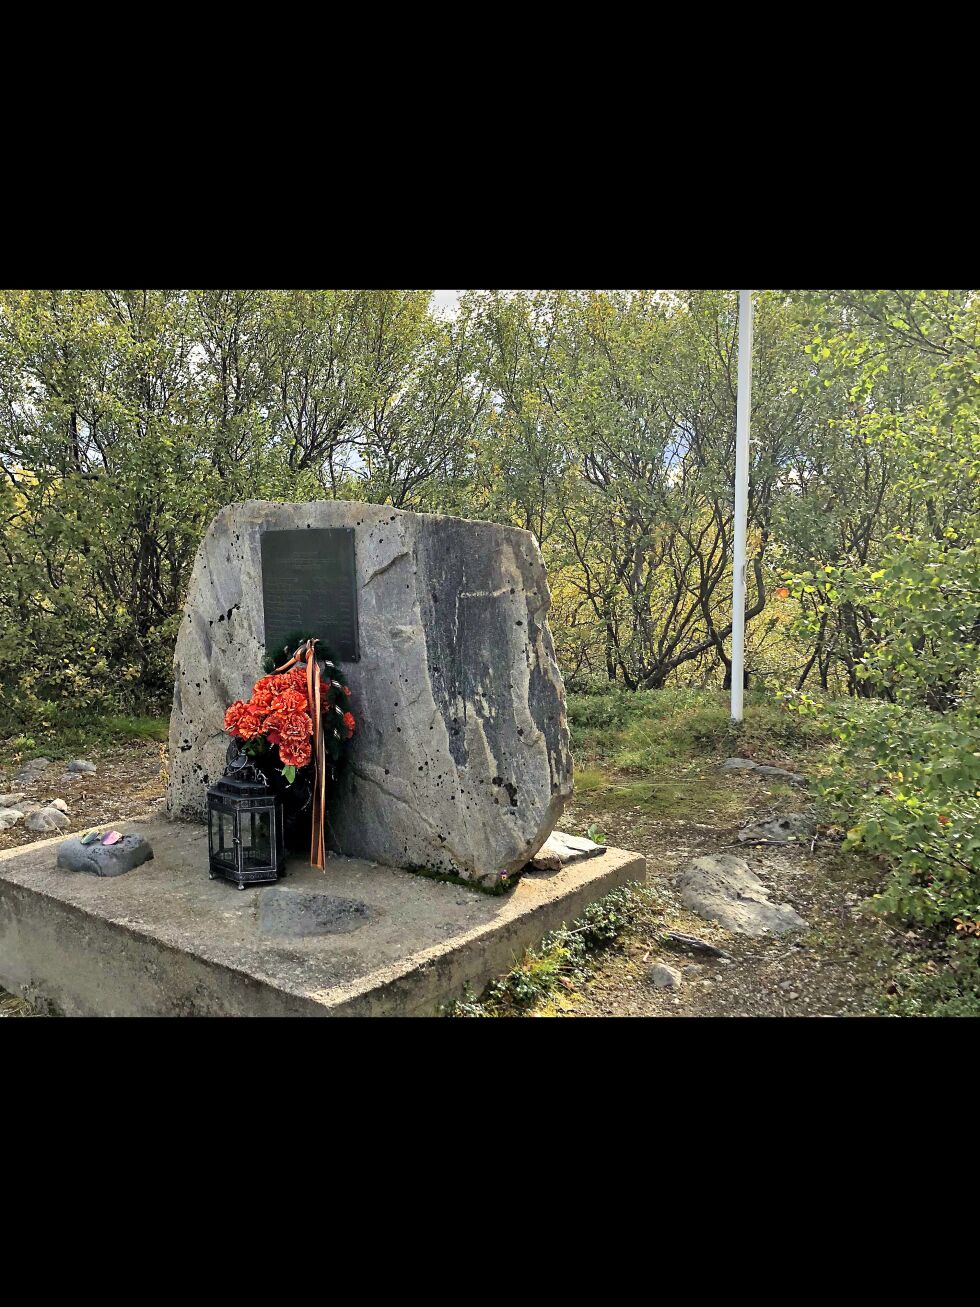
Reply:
x=790, y=829
x=80, y=765
x=105, y=859
x=47, y=819
x=297, y=913
x=559, y=848
x=720, y=887
x=663, y=977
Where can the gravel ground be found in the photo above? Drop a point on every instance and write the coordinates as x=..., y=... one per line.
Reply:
x=128, y=783
x=129, y=780
x=839, y=967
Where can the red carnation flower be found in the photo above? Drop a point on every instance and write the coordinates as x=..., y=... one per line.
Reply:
x=249, y=723
x=233, y=715
x=272, y=727
x=295, y=753
x=261, y=699
x=297, y=727
x=289, y=702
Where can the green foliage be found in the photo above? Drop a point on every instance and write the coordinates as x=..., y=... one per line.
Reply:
x=73, y=734
x=562, y=960
x=601, y=420
x=947, y=985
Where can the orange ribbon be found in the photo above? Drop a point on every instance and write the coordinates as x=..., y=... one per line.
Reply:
x=305, y=654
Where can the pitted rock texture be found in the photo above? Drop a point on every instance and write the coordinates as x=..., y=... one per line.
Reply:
x=460, y=763
x=100, y=859
x=298, y=913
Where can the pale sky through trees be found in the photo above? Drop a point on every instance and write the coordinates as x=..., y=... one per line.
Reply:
x=445, y=300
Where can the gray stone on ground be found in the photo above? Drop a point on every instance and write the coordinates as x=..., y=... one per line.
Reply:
x=781, y=774
x=762, y=769
x=297, y=913
x=460, y=763
x=559, y=849
x=722, y=888
x=31, y=771
x=80, y=765
x=663, y=977
x=42, y=820
x=10, y=817
x=792, y=828
x=60, y=804
x=104, y=859
x=11, y=800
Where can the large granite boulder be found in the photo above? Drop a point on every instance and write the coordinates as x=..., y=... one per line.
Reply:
x=460, y=763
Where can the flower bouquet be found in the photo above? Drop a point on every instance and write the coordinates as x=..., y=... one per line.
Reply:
x=297, y=721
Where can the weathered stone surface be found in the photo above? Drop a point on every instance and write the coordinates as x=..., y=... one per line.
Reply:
x=720, y=887
x=789, y=829
x=461, y=762
x=47, y=819
x=104, y=859
x=11, y=800
x=10, y=817
x=167, y=941
x=739, y=764
x=60, y=804
x=297, y=913
x=559, y=848
x=31, y=771
x=80, y=765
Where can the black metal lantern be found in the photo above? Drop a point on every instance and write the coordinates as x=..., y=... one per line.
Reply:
x=245, y=829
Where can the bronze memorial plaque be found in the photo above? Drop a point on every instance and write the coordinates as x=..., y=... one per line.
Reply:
x=309, y=584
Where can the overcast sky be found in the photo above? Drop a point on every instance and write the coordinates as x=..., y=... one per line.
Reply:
x=445, y=299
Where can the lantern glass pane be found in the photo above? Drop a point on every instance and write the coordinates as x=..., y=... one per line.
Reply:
x=223, y=836
x=257, y=838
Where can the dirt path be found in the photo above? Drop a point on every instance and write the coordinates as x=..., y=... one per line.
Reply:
x=839, y=967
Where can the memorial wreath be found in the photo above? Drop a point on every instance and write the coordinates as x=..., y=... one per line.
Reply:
x=297, y=716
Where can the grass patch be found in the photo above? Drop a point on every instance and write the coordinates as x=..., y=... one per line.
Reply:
x=653, y=729
x=660, y=750
x=73, y=736
x=562, y=960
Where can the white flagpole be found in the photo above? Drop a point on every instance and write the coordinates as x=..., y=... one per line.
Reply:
x=742, y=411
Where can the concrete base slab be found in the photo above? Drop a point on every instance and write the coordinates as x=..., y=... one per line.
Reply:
x=359, y=939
